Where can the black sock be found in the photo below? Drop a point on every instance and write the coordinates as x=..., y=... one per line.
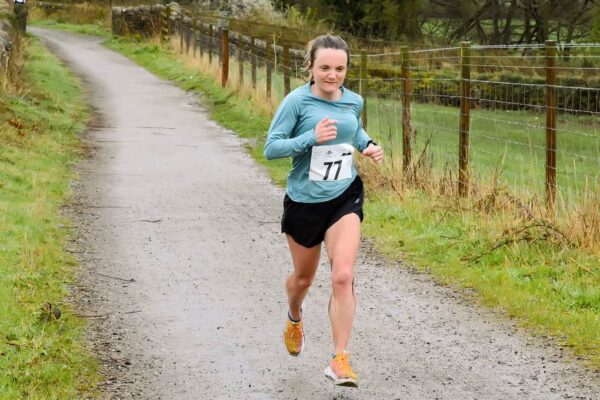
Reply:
x=293, y=320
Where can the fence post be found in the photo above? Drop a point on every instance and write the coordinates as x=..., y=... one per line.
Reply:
x=210, y=43
x=194, y=36
x=406, y=98
x=268, y=69
x=161, y=24
x=465, y=107
x=241, y=58
x=253, y=60
x=286, y=70
x=218, y=44
x=363, y=85
x=200, y=40
x=164, y=24
x=195, y=41
x=224, y=56
x=181, y=33
x=551, y=124
x=188, y=38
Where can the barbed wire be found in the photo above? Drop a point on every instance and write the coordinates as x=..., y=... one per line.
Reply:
x=526, y=145
x=507, y=46
x=556, y=68
x=508, y=122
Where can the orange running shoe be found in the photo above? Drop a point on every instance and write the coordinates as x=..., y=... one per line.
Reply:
x=340, y=371
x=293, y=338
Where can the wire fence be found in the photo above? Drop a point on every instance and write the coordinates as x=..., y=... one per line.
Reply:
x=524, y=117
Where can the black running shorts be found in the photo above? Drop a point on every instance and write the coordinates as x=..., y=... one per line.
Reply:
x=307, y=223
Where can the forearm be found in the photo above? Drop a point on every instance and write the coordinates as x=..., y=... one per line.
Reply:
x=280, y=147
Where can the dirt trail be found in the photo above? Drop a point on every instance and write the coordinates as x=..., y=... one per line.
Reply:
x=184, y=267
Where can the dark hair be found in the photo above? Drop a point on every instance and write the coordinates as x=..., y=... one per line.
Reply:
x=326, y=41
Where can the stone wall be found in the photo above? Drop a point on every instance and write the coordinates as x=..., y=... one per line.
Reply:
x=144, y=20
x=7, y=33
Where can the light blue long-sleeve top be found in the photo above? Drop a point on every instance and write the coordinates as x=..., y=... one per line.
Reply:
x=292, y=134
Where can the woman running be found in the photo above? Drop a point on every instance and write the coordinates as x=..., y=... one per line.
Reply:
x=319, y=126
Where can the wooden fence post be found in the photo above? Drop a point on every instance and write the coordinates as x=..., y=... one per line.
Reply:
x=195, y=41
x=406, y=98
x=241, y=59
x=200, y=40
x=210, y=43
x=181, y=33
x=194, y=37
x=286, y=70
x=253, y=60
x=551, y=124
x=363, y=85
x=268, y=69
x=188, y=38
x=218, y=44
x=224, y=56
x=164, y=24
x=20, y=15
x=465, y=107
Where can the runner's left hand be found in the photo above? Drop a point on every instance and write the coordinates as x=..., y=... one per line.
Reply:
x=375, y=152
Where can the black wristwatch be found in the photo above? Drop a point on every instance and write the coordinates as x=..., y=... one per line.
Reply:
x=370, y=142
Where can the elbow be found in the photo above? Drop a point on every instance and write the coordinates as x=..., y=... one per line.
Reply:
x=268, y=152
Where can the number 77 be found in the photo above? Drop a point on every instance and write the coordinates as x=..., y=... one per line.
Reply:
x=329, y=164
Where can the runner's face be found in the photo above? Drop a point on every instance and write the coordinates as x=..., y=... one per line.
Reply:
x=329, y=71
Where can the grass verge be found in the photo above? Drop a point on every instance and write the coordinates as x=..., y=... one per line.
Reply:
x=85, y=29
x=41, y=354
x=523, y=266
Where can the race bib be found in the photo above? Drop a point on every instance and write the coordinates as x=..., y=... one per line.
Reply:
x=331, y=162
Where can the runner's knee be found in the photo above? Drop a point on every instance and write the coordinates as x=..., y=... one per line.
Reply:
x=302, y=282
x=342, y=279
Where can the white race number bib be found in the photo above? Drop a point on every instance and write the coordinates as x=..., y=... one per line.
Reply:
x=331, y=162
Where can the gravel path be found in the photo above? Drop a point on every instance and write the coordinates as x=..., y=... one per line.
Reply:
x=183, y=267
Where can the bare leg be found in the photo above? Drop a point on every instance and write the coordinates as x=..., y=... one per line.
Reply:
x=342, y=240
x=306, y=261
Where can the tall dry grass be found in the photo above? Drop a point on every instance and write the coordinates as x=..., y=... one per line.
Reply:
x=256, y=95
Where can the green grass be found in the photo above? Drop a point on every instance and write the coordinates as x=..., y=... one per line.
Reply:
x=511, y=142
x=39, y=358
x=85, y=29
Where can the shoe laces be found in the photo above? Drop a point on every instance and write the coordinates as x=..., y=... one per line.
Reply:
x=295, y=328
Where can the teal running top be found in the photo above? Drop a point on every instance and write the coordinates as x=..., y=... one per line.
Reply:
x=324, y=176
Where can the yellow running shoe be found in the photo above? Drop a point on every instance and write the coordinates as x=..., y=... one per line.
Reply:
x=293, y=337
x=340, y=371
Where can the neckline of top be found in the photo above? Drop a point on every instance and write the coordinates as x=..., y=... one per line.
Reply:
x=342, y=88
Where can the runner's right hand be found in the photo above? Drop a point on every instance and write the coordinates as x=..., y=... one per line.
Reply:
x=326, y=130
